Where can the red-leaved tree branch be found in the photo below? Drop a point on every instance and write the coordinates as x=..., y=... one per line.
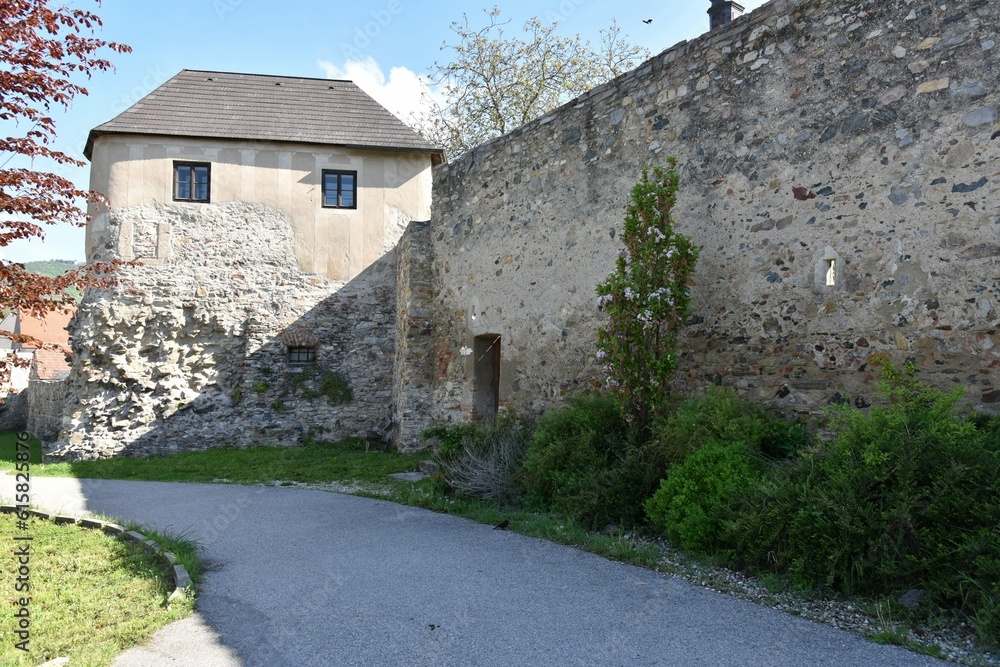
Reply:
x=45, y=48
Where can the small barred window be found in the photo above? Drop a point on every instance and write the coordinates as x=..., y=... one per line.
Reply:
x=301, y=355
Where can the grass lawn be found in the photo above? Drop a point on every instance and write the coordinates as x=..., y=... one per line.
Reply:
x=92, y=595
x=8, y=448
x=316, y=463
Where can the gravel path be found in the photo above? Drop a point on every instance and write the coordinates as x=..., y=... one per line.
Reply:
x=301, y=577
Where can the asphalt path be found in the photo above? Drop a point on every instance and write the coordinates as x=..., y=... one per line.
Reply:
x=299, y=578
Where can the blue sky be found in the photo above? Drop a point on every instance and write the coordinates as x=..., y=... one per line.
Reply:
x=384, y=45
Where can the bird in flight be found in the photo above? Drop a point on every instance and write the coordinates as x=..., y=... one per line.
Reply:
x=647, y=21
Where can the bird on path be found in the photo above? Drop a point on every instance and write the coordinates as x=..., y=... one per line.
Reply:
x=502, y=525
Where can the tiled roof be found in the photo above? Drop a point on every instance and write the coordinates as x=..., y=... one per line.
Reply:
x=258, y=107
x=50, y=365
x=52, y=329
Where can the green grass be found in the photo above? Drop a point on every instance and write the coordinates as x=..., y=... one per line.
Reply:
x=184, y=548
x=545, y=525
x=310, y=464
x=92, y=595
x=8, y=449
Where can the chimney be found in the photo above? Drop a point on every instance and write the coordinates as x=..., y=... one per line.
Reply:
x=723, y=12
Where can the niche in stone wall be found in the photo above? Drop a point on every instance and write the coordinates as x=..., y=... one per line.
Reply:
x=486, y=376
x=828, y=274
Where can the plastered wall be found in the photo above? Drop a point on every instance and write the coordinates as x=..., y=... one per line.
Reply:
x=393, y=188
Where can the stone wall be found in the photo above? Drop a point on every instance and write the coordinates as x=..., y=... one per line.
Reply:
x=46, y=401
x=862, y=134
x=415, y=344
x=14, y=411
x=190, y=350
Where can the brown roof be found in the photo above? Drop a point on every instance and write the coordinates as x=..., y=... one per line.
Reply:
x=257, y=107
x=52, y=329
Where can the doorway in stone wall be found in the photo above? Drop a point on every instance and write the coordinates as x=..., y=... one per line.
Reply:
x=486, y=376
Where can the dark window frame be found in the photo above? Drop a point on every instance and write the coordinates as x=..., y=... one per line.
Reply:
x=300, y=355
x=339, y=173
x=191, y=185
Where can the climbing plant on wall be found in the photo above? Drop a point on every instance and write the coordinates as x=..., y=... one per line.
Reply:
x=646, y=297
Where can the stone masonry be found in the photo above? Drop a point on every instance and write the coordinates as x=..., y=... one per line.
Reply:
x=849, y=143
x=838, y=171
x=190, y=350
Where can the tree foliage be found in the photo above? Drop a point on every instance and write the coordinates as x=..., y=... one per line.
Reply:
x=646, y=298
x=495, y=81
x=44, y=49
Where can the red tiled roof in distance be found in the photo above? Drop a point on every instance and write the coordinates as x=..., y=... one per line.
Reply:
x=50, y=330
x=50, y=365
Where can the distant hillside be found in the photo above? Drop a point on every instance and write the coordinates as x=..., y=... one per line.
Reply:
x=53, y=268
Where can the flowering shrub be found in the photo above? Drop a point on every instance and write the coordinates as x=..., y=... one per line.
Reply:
x=646, y=298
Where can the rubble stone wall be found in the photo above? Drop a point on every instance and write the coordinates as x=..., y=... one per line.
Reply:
x=858, y=133
x=46, y=401
x=14, y=411
x=190, y=350
x=415, y=345
x=859, y=136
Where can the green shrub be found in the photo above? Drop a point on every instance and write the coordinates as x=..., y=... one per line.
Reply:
x=310, y=385
x=906, y=495
x=585, y=462
x=700, y=493
x=482, y=460
x=721, y=415
x=646, y=298
x=448, y=440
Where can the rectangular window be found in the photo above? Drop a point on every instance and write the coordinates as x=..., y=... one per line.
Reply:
x=340, y=189
x=192, y=181
x=301, y=355
x=831, y=272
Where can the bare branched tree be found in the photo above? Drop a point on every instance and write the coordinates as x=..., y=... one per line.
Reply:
x=495, y=82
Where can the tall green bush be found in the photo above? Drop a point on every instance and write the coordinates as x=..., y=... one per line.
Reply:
x=702, y=492
x=646, y=298
x=721, y=415
x=905, y=495
x=586, y=462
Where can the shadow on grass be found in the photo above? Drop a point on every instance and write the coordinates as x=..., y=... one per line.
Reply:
x=8, y=449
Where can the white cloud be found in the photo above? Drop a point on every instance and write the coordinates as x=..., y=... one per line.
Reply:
x=402, y=92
